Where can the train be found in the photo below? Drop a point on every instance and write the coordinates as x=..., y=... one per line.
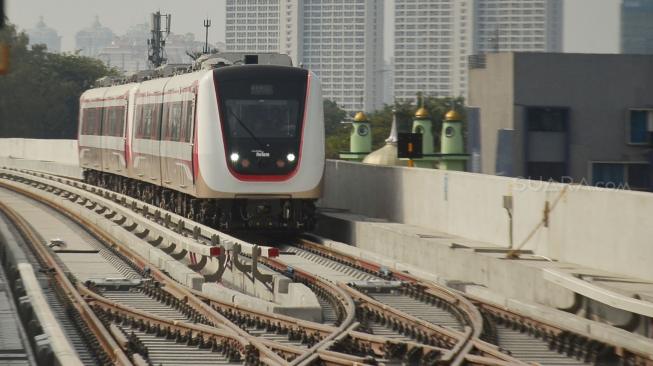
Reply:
x=236, y=146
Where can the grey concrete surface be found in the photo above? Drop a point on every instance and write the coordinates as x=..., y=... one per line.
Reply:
x=605, y=229
x=64, y=170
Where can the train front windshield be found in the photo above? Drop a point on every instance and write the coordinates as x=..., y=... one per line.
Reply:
x=262, y=118
x=261, y=109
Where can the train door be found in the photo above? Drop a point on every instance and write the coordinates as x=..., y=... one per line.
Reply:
x=122, y=139
x=165, y=138
x=144, y=147
x=155, y=143
x=185, y=148
x=176, y=147
x=169, y=133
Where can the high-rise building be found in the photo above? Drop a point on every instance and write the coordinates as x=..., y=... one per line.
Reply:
x=525, y=25
x=637, y=26
x=340, y=40
x=343, y=44
x=263, y=26
x=90, y=41
x=433, y=39
x=42, y=34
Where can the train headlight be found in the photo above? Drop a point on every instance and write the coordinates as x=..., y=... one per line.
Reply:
x=291, y=157
x=234, y=157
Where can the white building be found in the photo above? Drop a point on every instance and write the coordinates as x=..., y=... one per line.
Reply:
x=263, y=26
x=432, y=42
x=525, y=25
x=42, y=34
x=343, y=44
x=91, y=40
x=433, y=39
x=340, y=40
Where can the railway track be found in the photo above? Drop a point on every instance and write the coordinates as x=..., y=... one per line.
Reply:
x=315, y=339
x=229, y=341
x=519, y=336
x=372, y=314
x=376, y=286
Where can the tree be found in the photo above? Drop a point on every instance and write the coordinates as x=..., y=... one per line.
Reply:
x=333, y=117
x=336, y=134
x=39, y=97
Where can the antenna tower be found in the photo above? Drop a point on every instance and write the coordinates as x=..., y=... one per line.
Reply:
x=156, y=44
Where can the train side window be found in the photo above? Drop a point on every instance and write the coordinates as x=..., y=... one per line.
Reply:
x=120, y=120
x=156, y=121
x=138, y=122
x=147, y=121
x=107, y=128
x=94, y=121
x=99, y=119
x=165, y=123
x=88, y=121
x=187, y=123
x=115, y=122
x=84, y=128
x=175, y=121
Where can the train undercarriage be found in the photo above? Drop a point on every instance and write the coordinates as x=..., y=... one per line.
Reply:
x=252, y=214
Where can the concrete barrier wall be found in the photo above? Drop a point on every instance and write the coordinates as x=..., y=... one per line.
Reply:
x=60, y=151
x=600, y=228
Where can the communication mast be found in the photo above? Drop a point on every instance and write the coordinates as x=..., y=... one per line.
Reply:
x=156, y=44
x=207, y=24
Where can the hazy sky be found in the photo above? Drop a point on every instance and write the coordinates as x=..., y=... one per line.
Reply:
x=589, y=25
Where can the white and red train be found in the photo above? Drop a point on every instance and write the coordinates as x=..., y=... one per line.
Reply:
x=236, y=147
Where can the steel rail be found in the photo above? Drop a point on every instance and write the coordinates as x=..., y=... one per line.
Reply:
x=183, y=292
x=106, y=341
x=345, y=300
x=196, y=330
x=62, y=349
x=323, y=330
x=546, y=328
x=454, y=341
x=173, y=287
x=466, y=342
x=470, y=312
x=175, y=220
x=487, y=353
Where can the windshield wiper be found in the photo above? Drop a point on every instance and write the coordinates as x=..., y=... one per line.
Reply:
x=246, y=129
